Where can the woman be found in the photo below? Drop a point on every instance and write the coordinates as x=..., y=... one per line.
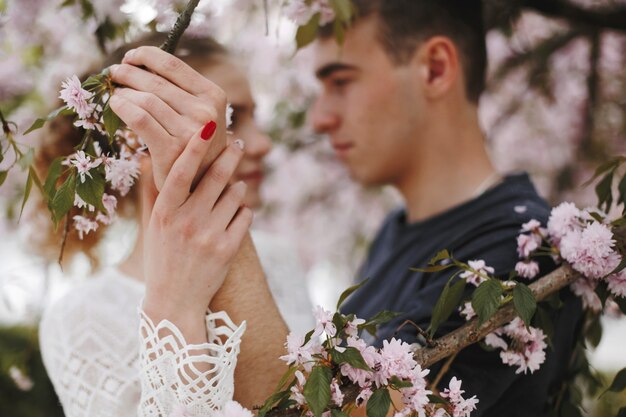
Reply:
x=89, y=337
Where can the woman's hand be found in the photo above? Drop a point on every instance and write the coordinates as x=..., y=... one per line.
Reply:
x=190, y=238
x=165, y=102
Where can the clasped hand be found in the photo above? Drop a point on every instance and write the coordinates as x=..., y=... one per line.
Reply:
x=190, y=238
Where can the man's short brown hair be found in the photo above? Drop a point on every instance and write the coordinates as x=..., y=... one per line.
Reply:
x=404, y=24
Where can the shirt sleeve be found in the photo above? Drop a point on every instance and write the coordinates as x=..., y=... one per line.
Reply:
x=185, y=379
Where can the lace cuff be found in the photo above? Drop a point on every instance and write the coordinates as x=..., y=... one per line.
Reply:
x=179, y=376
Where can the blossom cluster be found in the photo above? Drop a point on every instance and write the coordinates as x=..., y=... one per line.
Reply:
x=352, y=361
x=118, y=171
x=301, y=11
x=585, y=240
x=522, y=346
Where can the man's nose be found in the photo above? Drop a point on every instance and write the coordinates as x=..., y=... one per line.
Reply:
x=323, y=119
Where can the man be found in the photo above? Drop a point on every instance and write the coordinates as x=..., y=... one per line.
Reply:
x=399, y=102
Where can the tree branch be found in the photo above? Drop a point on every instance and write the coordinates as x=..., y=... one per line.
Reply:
x=182, y=23
x=471, y=332
x=466, y=335
x=606, y=17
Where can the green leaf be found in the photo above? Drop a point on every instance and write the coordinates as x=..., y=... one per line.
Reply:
x=273, y=399
x=337, y=413
x=398, y=383
x=352, y=357
x=92, y=189
x=317, y=389
x=570, y=410
x=435, y=399
x=621, y=302
x=378, y=404
x=3, y=176
x=343, y=9
x=63, y=199
x=307, y=33
x=39, y=123
x=622, y=191
x=604, y=192
x=525, y=303
x=605, y=167
x=54, y=172
x=111, y=121
x=349, y=292
x=619, y=382
x=27, y=159
x=594, y=332
x=441, y=255
x=433, y=268
x=36, y=179
x=381, y=318
x=542, y=320
x=27, y=189
x=486, y=299
x=449, y=300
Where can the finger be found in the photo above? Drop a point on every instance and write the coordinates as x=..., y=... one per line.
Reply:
x=142, y=80
x=179, y=180
x=141, y=122
x=219, y=174
x=238, y=228
x=175, y=124
x=149, y=192
x=169, y=67
x=228, y=204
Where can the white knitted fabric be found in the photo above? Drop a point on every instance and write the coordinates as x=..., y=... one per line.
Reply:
x=197, y=378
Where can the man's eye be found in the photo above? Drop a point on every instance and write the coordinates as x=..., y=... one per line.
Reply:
x=340, y=82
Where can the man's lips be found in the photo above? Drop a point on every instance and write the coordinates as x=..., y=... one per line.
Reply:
x=341, y=149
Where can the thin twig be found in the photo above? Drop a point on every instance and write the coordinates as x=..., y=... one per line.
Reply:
x=429, y=341
x=5, y=125
x=66, y=231
x=444, y=370
x=182, y=23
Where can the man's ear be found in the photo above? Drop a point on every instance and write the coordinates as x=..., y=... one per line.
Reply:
x=439, y=67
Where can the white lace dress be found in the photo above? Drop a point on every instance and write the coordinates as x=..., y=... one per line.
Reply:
x=89, y=343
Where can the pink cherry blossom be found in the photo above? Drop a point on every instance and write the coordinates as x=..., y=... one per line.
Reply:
x=396, y=359
x=371, y=357
x=531, y=226
x=121, y=173
x=336, y=395
x=324, y=320
x=585, y=288
x=351, y=328
x=84, y=225
x=296, y=390
x=76, y=98
x=83, y=164
x=233, y=409
x=461, y=407
x=590, y=251
x=300, y=353
x=563, y=219
x=478, y=268
x=467, y=311
x=617, y=284
x=79, y=203
x=527, y=270
x=527, y=244
x=416, y=397
x=21, y=380
x=299, y=12
x=110, y=204
x=527, y=347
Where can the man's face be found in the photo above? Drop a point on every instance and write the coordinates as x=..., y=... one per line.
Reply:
x=370, y=107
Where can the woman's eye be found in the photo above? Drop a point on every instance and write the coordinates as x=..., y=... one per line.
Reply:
x=340, y=82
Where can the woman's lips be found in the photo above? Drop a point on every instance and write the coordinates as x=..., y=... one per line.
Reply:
x=252, y=176
x=342, y=149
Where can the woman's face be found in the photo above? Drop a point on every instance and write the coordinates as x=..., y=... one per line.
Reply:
x=232, y=80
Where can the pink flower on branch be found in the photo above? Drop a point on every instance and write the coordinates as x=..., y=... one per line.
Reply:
x=476, y=275
x=527, y=270
x=83, y=164
x=77, y=98
x=84, y=225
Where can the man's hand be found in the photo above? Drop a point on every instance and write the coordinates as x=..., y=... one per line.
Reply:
x=165, y=102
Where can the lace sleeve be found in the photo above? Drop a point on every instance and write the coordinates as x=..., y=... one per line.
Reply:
x=171, y=375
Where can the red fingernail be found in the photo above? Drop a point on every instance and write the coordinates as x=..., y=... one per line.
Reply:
x=209, y=129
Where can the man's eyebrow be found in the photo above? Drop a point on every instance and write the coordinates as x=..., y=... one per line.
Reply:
x=328, y=69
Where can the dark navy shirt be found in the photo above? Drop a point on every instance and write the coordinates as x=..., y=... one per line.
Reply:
x=483, y=228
